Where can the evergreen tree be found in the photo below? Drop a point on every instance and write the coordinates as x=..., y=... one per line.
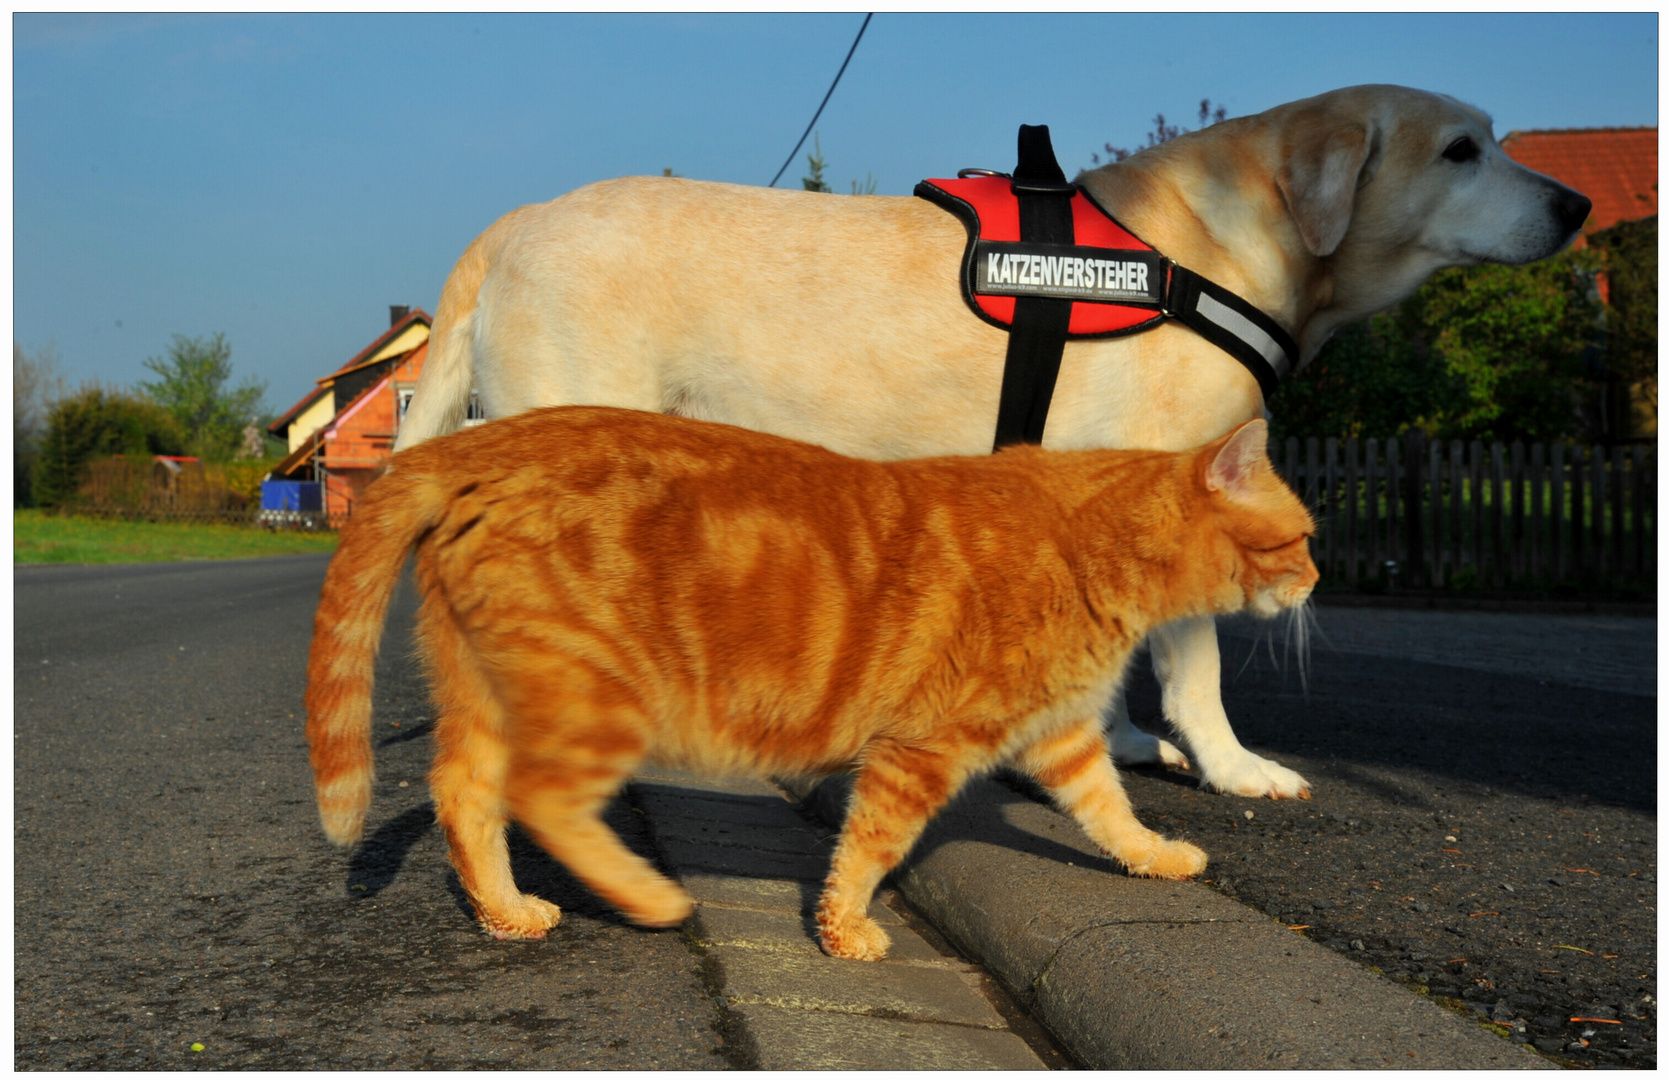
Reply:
x=814, y=160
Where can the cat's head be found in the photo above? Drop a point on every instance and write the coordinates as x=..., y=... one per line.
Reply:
x=1263, y=528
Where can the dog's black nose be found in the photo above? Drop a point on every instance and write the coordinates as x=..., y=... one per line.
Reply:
x=1572, y=208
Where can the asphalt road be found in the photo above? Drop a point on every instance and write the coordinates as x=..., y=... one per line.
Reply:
x=1484, y=824
x=1483, y=829
x=172, y=886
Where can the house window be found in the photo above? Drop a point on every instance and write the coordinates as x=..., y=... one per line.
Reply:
x=402, y=397
x=476, y=414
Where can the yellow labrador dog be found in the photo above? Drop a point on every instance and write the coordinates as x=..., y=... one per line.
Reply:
x=839, y=320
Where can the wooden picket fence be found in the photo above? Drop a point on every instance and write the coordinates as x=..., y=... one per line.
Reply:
x=1411, y=513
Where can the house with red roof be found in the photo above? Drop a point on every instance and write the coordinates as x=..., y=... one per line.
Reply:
x=341, y=434
x=1617, y=169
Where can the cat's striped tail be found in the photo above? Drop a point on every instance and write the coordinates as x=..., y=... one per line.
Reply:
x=347, y=629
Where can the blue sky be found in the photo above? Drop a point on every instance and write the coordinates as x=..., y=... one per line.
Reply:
x=285, y=178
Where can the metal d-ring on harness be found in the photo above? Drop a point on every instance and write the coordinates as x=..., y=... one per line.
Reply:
x=1042, y=319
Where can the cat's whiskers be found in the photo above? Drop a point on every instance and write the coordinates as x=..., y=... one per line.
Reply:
x=1297, y=643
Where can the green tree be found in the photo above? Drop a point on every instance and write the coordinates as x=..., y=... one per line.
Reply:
x=95, y=422
x=1483, y=352
x=817, y=181
x=1629, y=253
x=1376, y=377
x=37, y=383
x=192, y=386
x=815, y=162
x=1163, y=132
x=1524, y=341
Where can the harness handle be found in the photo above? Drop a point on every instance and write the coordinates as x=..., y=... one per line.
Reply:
x=1037, y=336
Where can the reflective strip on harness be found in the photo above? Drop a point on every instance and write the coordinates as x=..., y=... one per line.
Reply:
x=1244, y=329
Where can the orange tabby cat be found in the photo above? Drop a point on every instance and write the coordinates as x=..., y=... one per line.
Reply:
x=604, y=588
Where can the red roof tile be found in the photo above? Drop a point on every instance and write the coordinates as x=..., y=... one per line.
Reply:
x=1615, y=167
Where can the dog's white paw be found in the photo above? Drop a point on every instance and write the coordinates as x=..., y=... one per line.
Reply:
x=1132, y=746
x=1254, y=777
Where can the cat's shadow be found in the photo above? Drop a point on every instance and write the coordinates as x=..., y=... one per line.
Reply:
x=378, y=860
x=977, y=813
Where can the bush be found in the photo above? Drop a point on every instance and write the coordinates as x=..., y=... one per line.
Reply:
x=1484, y=352
x=1629, y=251
x=94, y=423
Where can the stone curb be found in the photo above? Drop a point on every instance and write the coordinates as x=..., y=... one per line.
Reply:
x=1132, y=974
x=755, y=868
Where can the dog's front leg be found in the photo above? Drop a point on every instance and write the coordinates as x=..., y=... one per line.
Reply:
x=1133, y=746
x=1189, y=667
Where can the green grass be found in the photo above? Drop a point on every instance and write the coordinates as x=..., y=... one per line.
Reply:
x=41, y=538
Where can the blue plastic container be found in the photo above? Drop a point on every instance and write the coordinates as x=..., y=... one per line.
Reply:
x=303, y=495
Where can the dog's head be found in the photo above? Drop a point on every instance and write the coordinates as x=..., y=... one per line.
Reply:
x=1356, y=197
x=1390, y=185
x=1390, y=164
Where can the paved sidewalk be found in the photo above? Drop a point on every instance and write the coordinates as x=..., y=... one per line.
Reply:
x=755, y=867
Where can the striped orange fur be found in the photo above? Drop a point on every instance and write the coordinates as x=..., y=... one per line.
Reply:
x=604, y=588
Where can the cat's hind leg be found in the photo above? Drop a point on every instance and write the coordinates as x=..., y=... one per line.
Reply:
x=1074, y=766
x=897, y=791
x=576, y=737
x=467, y=782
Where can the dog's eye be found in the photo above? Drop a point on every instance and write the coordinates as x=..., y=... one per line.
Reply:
x=1462, y=149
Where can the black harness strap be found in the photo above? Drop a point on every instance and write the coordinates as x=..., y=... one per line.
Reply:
x=1038, y=335
x=1231, y=324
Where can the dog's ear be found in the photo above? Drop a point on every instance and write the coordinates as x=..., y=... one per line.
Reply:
x=1318, y=180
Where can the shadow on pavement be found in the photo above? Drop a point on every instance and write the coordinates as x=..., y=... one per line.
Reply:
x=376, y=862
x=1513, y=733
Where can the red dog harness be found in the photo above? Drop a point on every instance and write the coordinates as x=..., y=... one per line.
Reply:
x=1048, y=264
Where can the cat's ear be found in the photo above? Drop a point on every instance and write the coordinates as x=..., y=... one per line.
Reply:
x=1241, y=458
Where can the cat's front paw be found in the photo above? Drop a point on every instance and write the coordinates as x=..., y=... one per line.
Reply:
x=1132, y=746
x=1253, y=777
x=660, y=907
x=1157, y=857
x=860, y=938
x=530, y=920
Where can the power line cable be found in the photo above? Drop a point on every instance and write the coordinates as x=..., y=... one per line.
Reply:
x=826, y=98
